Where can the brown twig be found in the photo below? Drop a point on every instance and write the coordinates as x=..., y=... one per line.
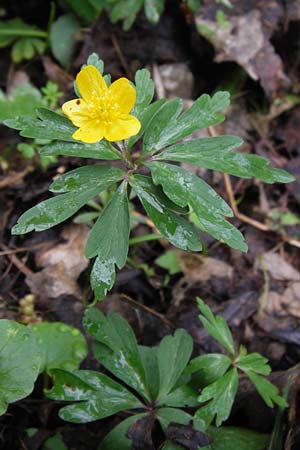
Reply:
x=148, y=310
x=120, y=55
x=27, y=249
x=17, y=262
x=14, y=177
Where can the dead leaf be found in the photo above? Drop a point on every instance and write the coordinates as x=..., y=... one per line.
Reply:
x=140, y=433
x=277, y=267
x=186, y=436
x=62, y=265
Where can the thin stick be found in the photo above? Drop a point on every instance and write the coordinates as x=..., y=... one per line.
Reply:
x=148, y=310
x=18, y=263
x=120, y=55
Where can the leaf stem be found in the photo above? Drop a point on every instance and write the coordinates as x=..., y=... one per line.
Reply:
x=27, y=33
x=145, y=238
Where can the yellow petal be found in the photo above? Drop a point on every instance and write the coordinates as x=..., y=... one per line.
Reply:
x=90, y=83
x=123, y=127
x=124, y=94
x=90, y=133
x=77, y=111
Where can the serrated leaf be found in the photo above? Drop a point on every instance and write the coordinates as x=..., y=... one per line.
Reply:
x=158, y=207
x=173, y=355
x=208, y=368
x=166, y=128
x=96, y=394
x=154, y=9
x=212, y=153
x=255, y=362
x=85, y=178
x=62, y=38
x=61, y=346
x=53, y=211
x=116, y=348
x=220, y=396
x=234, y=438
x=144, y=90
x=20, y=362
x=186, y=189
x=100, y=150
x=267, y=390
x=52, y=126
x=216, y=326
x=117, y=437
x=115, y=244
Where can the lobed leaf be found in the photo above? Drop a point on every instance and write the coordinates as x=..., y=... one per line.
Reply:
x=116, y=348
x=167, y=128
x=254, y=362
x=220, y=396
x=117, y=437
x=216, y=326
x=267, y=390
x=52, y=211
x=173, y=354
x=208, y=368
x=96, y=394
x=159, y=208
x=186, y=189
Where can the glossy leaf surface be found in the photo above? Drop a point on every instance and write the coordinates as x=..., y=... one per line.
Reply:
x=100, y=150
x=96, y=394
x=177, y=230
x=20, y=362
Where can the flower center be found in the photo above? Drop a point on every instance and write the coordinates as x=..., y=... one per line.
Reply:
x=103, y=109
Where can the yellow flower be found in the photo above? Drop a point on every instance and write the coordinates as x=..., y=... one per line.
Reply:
x=102, y=112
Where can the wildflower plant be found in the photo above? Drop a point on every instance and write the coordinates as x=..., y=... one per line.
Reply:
x=119, y=122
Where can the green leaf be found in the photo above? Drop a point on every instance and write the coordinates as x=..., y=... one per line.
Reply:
x=52, y=126
x=182, y=397
x=55, y=442
x=220, y=396
x=115, y=244
x=148, y=357
x=62, y=38
x=125, y=11
x=96, y=394
x=158, y=132
x=154, y=9
x=116, y=439
x=103, y=276
x=168, y=261
x=20, y=362
x=186, y=189
x=212, y=153
x=168, y=415
x=52, y=211
x=216, y=326
x=166, y=128
x=23, y=100
x=158, y=207
x=255, y=362
x=209, y=368
x=233, y=438
x=144, y=90
x=99, y=177
x=173, y=355
x=267, y=390
x=61, y=346
x=100, y=150
x=145, y=116
x=12, y=29
x=85, y=10
x=116, y=348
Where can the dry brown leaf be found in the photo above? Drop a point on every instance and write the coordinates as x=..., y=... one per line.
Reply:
x=62, y=265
